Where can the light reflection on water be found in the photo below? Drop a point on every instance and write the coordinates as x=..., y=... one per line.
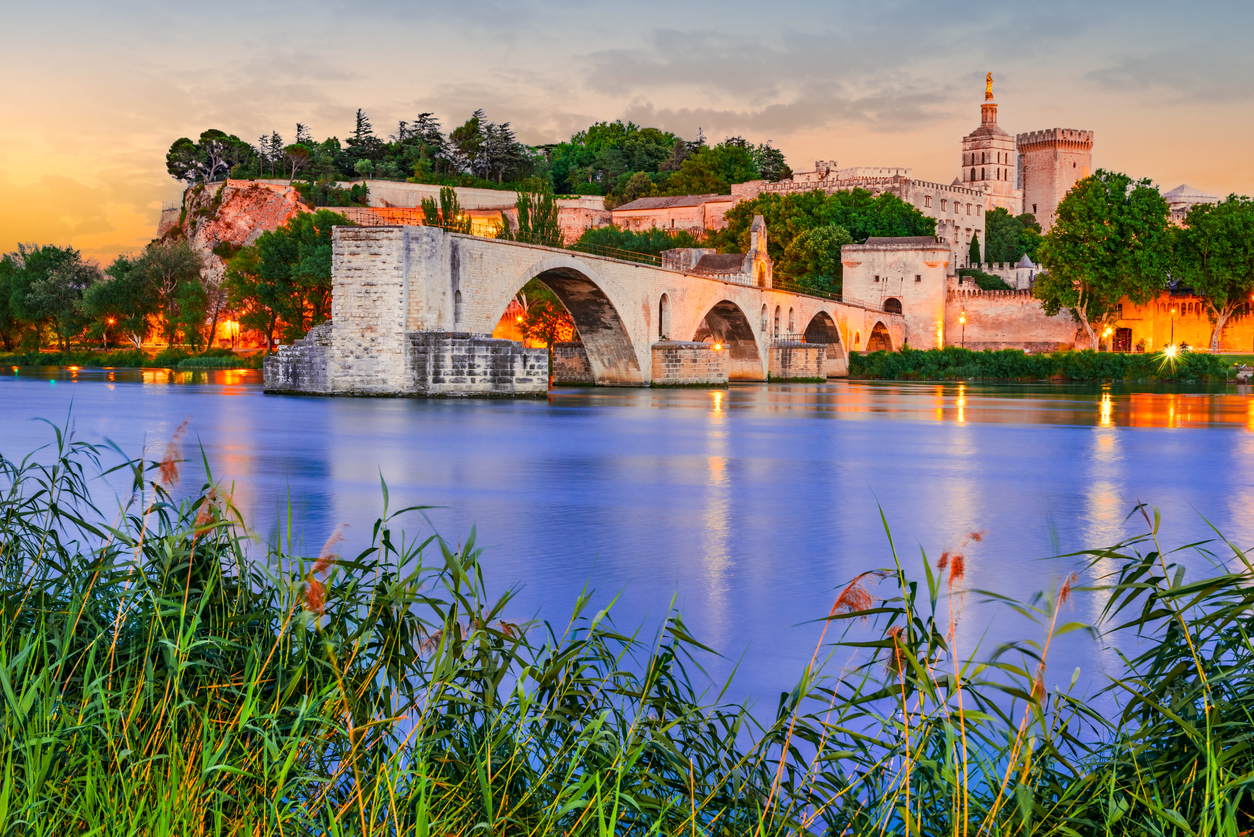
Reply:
x=750, y=505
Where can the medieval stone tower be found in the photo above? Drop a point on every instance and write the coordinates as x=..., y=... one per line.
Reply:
x=1050, y=163
x=988, y=159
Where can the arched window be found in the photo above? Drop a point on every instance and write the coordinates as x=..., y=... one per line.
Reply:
x=973, y=174
x=457, y=307
x=663, y=316
x=763, y=329
x=792, y=322
x=777, y=322
x=761, y=275
x=892, y=305
x=983, y=176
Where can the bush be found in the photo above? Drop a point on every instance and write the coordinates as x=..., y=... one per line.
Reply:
x=954, y=363
x=985, y=281
x=219, y=362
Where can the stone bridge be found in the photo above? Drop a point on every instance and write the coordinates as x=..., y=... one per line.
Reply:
x=412, y=308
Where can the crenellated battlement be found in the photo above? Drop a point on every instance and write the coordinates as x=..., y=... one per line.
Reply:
x=1071, y=137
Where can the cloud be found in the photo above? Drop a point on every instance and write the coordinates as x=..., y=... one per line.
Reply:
x=1217, y=78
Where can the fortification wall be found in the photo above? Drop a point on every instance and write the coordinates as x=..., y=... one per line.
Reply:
x=1050, y=163
x=1005, y=320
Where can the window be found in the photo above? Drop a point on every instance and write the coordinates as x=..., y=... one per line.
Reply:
x=943, y=202
x=973, y=174
x=892, y=305
x=763, y=329
x=776, y=321
x=663, y=316
x=978, y=209
x=457, y=306
x=792, y=322
x=983, y=175
x=918, y=278
x=1033, y=209
x=877, y=277
x=927, y=200
x=968, y=209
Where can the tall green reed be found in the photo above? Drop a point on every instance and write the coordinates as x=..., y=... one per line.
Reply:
x=165, y=672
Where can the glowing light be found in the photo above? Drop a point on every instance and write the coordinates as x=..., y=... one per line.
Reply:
x=718, y=401
x=1108, y=409
x=1171, y=350
x=110, y=321
x=518, y=319
x=718, y=347
x=73, y=368
x=962, y=318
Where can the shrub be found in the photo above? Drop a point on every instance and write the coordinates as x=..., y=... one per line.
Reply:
x=955, y=363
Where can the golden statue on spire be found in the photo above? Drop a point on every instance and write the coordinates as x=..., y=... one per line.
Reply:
x=988, y=86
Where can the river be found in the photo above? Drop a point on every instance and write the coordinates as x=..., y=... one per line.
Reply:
x=751, y=506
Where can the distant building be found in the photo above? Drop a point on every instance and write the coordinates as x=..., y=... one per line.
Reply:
x=1183, y=198
x=1050, y=163
x=690, y=213
x=988, y=159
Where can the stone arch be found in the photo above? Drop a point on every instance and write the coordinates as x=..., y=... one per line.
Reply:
x=880, y=340
x=577, y=286
x=664, y=316
x=822, y=329
x=892, y=305
x=726, y=323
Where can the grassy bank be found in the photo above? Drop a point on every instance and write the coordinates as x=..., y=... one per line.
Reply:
x=134, y=358
x=957, y=364
x=163, y=672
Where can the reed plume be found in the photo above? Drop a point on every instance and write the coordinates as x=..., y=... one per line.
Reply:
x=169, y=466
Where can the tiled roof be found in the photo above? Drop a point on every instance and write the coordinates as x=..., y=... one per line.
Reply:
x=673, y=201
x=721, y=262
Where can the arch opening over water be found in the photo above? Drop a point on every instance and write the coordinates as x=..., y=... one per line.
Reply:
x=725, y=323
x=880, y=340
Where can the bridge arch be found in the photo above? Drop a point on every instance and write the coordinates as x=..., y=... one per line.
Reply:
x=611, y=353
x=726, y=323
x=880, y=340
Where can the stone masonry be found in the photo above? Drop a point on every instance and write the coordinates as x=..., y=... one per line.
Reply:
x=793, y=361
x=570, y=364
x=683, y=363
x=301, y=367
x=391, y=283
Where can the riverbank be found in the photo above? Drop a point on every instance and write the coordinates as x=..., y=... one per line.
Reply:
x=170, y=358
x=160, y=674
x=957, y=364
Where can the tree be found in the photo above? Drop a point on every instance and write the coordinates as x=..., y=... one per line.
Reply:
x=771, y=163
x=713, y=170
x=1110, y=241
x=32, y=298
x=652, y=241
x=54, y=297
x=1008, y=237
x=284, y=280
x=1214, y=255
x=214, y=154
x=166, y=270
x=545, y=318
x=813, y=258
x=296, y=157
x=467, y=139
x=10, y=326
x=448, y=214
x=973, y=253
x=537, y=217
x=787, y=216
x=122, y=300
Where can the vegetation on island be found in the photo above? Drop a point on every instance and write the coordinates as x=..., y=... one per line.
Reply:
x=954, y=363
x=621, y=161
x=165, y=670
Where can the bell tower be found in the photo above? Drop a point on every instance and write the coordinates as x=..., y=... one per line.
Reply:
x=988, y=159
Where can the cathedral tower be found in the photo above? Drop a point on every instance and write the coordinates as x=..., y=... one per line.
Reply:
x=1050, y=162
x=988, y=159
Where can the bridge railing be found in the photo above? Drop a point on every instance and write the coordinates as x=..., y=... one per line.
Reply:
x=616, y=253
x=797, y=288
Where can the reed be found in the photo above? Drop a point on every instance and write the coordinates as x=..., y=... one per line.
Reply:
x=165, y=672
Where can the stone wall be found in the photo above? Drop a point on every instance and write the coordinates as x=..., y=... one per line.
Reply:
x=790, y=361
x=301, y=367
x=680, y=363
x=368, y=308
x=452, y=363
x=1005, y=320
x=570, y=364
x=908, y=274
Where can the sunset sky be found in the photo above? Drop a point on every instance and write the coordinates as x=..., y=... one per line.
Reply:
x=94, y=93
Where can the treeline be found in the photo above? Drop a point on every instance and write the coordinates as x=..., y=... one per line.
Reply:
x=1113, y=240
x=617, y=160
x=279, y=287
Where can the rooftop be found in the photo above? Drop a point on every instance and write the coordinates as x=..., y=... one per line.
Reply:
x=673, y=201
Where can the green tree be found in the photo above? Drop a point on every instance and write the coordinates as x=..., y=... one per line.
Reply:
x=210, y=157
x=859, y=212
x=166, y=270
x=771, y=163
x=1008, y=237
x=284, y=280
x=448, y=214
x=10, y=326
x=1110, y=241
x=467, y=139
x=652, y=241
x=123, y=302
x=537, y=217
x=35, y=298
x=1214, y=256
x=813, y=258
x=973, y=253
x=713, y=170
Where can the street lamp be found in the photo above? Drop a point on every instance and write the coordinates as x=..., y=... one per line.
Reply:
x=1173, y=326
x=962, y=318
x=1106, y=335
x=108, y=323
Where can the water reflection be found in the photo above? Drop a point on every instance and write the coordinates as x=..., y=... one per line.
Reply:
x=753, y=503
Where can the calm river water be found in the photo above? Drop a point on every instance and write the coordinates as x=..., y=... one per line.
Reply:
x=752, y=505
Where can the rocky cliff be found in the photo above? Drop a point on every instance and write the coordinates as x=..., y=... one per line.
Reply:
x=235, y=213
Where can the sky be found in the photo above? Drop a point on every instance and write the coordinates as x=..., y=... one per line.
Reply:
x=93, y=93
